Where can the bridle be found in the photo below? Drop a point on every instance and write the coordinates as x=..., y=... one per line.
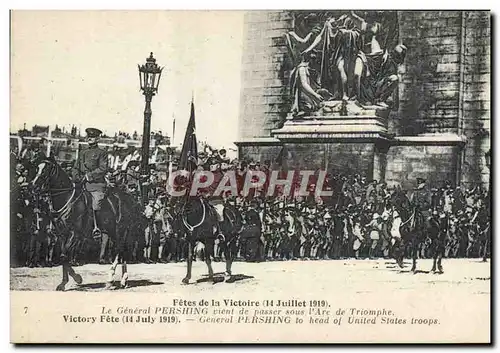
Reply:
x=54, y=172
x=190, y=227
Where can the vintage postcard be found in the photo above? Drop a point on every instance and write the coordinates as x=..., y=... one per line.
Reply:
x=281, y=176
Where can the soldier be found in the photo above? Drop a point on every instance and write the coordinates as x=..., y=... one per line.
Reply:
x=90, y=168
x=114, y=158
x=252, y=234
x=421, y=198
x=374, y=227
x=39, y=150
x=223, y=156
x=149, y=232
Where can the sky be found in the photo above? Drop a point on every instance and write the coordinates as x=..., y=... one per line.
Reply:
x=80, y=67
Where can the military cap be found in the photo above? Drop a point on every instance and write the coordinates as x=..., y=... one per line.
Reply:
x=93, y=132
x=420, y=181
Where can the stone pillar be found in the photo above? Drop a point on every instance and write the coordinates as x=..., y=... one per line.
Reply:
x=264, y=92
x=380, y=160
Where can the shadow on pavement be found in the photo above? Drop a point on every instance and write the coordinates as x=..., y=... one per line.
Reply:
x=218, y=278
x=240, y=277
x=101, y=285
x=417, y=271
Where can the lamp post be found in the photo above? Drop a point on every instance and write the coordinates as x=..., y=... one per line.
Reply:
x=149, y=78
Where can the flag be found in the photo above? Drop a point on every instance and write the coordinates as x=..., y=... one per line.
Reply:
x=189, y=153
x=282, y=159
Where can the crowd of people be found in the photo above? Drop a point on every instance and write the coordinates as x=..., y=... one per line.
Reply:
x=355, y=222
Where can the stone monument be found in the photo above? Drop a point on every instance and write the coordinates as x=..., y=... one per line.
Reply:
x=386, y=94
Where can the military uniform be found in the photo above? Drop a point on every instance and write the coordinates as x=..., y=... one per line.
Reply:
x=92, y=165
x=422, y=199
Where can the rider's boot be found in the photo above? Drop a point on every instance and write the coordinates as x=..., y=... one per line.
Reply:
x=219, y=236
x=96, y=232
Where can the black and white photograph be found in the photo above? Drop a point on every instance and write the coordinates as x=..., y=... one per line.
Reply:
x=250, y=176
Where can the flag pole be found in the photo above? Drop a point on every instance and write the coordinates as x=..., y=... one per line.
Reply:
x=170, y=155
x=49, y=141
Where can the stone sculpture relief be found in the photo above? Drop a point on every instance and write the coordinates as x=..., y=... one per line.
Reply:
x=344, y=64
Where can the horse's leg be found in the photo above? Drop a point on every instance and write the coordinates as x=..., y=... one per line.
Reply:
x=123, y=282
x=217, y=245
x=189, y=260
x=228, y=258
x=76, y=277
x=125, y=251
x=209, y=248
x=485, y=248
x=398, y=251
x=434, y=250
x=414, y=254
x=66, y=249
x=111, y=273
x=440, y=256
x=65, y=279
x=469, y=247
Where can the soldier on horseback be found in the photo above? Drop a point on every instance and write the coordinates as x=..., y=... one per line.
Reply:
x=421, y=199
x=90, y=168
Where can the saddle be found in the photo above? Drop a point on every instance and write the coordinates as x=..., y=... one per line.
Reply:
x=112, y=199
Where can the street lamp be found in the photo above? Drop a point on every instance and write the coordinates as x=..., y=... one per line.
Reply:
x=149, y=79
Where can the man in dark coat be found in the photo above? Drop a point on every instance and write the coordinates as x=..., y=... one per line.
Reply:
x=251, y=234
x=90, y=168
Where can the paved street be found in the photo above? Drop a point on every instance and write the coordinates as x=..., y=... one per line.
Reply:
x=462, y=276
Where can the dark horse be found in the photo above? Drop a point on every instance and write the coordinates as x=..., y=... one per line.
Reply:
x=197, y=219
x=413, y=229
x=73, y=216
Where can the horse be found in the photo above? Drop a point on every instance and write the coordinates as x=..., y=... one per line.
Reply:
x=231, y=227
x=438, y=234
x=73, y=218
x=412, y=228
x=197, y=219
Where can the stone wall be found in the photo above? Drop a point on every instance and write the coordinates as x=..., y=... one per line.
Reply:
x=429, y=92
x=476, y=113
x=348, y=158
x=408, y=162
x=264, y=90
x=259, y=153
x=445, y=87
